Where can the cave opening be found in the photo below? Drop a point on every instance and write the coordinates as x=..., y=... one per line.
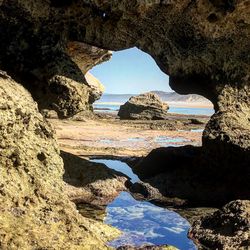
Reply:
x=132, y=72
x=119, y=144
x=142, y=169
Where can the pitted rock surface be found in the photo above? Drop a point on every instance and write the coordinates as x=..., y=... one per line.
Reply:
x=92, y=183
x=35, y=210
x=228, y=228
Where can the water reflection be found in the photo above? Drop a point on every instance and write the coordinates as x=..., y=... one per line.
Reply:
x=119, y=166
x=165, y=141
x=143, y=222
x=197, y=130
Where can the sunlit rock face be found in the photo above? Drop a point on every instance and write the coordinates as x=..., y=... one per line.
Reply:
x=36, y=213
x=86, y=57
x=97, y=88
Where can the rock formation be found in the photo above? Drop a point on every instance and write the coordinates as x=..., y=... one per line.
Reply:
x=86, y=57
x=182, y=173
x=96, y=87
x=35, y=210
x=228, y=228
x=202, y=45
x=49, y=69
x=146, y=106
x=92, y=183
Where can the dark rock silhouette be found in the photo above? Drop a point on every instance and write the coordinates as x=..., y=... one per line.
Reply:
x=182, y=177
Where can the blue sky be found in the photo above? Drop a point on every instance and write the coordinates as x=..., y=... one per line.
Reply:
x=131, y=71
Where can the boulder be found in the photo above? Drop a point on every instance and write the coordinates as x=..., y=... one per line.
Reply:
x=66, y=96
x=196, y=121
x=146, y=106
x=228, y=228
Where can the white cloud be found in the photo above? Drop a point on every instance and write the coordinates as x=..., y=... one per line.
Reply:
x=176, y=230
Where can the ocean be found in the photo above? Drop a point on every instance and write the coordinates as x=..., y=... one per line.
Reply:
x=178, y=110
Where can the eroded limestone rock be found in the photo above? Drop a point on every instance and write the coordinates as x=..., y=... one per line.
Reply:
x=66, y=96
x=146, y=106
x=97, y=88
x=228, y=228
x=203, y=46
x=92, y=183
x=184, y=176
x=35, y=210
x=86, y=56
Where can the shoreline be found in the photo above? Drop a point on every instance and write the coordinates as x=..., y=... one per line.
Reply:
x=171, y=104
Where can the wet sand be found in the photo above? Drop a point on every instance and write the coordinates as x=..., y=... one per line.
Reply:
x=108, y=136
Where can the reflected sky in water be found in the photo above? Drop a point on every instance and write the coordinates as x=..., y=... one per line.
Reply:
x=143, y=222
x=121, y=167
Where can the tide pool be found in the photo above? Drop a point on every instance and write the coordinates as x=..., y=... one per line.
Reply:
x=142, y=222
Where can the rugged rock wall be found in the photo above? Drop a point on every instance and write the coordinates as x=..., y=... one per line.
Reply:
x=227, y=228
x=202, y=45
x=37, y=54
x=35, y=210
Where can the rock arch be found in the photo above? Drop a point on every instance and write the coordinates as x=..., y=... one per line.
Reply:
x=202, y=45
